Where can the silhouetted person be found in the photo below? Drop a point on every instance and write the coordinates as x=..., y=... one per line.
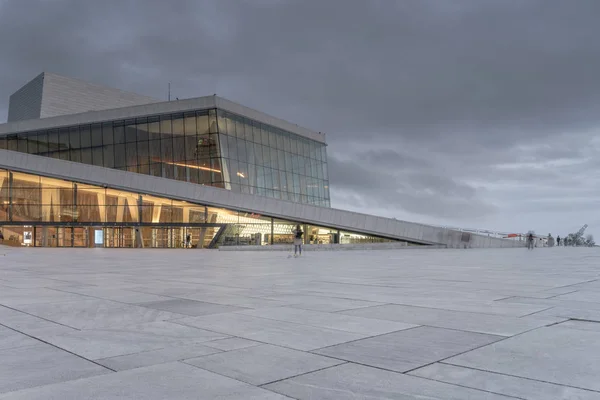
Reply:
x=530, y=241
x=297, y=240
x=188, y=240
x=558, y=241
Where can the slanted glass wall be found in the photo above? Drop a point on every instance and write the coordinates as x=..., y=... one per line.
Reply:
x=42, y=211
x=207, y=147
x=260, y=159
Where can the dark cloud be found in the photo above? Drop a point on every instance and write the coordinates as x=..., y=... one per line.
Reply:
x=434, y=110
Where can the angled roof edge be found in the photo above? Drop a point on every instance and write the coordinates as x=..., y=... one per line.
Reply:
x=165, y=107
x=216, y=197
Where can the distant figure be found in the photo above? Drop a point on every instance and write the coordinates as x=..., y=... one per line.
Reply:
x=297, y=231
x=188, y=240
x=1, y=237
x=558, y=241
x=530, y=241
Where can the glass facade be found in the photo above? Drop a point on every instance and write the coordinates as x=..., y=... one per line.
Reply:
x=208, y=147
x=41, y=211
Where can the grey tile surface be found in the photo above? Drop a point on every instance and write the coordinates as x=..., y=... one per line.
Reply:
x=160, y=356
x=351, y=382
x=231, y=344
x=140, y=312
x=9, y=339
x=409, y=349
x=340, y=322
x=322, y=303
x=104, y=343
x=503, y=384
x=259, y=365
x=190, y=307
x=165, y=381
x=281, y=333
x=474, y=322
x=582, y=325
x=96, y=314
x=558, y=355
x=25, y=367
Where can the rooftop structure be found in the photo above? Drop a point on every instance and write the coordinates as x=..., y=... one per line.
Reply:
x=157, y=174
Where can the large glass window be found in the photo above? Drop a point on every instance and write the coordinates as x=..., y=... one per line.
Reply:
x=191, y=147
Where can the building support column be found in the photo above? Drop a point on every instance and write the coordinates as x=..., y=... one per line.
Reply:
x=10, y=196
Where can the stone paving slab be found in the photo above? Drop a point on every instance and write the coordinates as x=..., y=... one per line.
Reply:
x=351, y=382
x=409, y=349
x=263, y=364
x=152, y=357
x=503, y=384
x=348, y=323
x=563, y=356
x=281, y=333
x=441, y=324
x=473, y=322
x=166, y=381
x=25, y=367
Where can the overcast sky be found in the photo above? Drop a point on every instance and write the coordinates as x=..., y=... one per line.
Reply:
x=470, y=113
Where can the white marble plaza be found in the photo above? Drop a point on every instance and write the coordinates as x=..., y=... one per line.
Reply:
x=391, y=324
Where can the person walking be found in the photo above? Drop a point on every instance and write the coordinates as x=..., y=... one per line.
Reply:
x=530, y=241
x=297, y=231
x=558, y=241
x=188, y=240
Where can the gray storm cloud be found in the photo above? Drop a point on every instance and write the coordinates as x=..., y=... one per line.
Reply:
x=478, y=113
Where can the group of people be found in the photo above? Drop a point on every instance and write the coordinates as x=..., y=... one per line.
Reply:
x=531, y=241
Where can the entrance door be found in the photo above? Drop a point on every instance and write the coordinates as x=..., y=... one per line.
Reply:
x=80, y=237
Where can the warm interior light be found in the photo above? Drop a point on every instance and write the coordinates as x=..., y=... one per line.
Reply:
x=241, y=175
x=192, y=166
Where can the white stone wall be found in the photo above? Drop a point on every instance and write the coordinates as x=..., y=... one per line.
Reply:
x=49, y=95
x=26, y=103
x=63, y=96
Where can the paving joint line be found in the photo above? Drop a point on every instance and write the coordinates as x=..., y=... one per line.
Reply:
x=519, y=377
x=59, y=348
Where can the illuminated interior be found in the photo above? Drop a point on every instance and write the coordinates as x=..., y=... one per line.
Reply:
x=46, y=212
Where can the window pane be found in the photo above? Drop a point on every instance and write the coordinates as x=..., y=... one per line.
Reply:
x=130, y=131
x=202, y=123
x=189, y=124
x=165, y=126
x=240, y=127
x=32, y=144
x=241, y=150
x=107, y=133
x=154, y=130
x=143, y=152
x=232, y=147
x=85, y=135
x=177, y=125
x=178, y=148
x=191, y=145
x=96, y=135
x=212, y=121
x=97, y=158
x=109, y=158
x=86, y=155
x=154, y=150
x=119, y=132
x=166, y=148
x=74, y=141
x=131, y=150
x=63, y=139
x=142, y=129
